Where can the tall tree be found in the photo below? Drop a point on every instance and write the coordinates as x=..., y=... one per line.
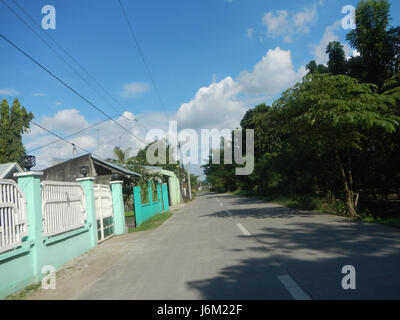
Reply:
x=340, y=113
x=313, y=68
x=13, y=123
x=377, y=43
x=337, y=63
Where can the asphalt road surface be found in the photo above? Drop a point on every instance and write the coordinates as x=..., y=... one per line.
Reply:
x=226, y=247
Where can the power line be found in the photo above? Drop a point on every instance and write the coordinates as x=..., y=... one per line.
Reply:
x=66, y=53
x=68, y=86
x=69, y=136
x=142, y=55
x=61, y=138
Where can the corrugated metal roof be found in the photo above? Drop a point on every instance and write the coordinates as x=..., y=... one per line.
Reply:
x=7, y=168
x=116, y=167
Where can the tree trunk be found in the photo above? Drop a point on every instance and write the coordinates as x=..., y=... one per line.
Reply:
x=351, y=202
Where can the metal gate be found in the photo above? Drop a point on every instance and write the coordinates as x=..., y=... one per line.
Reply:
x=13, y=224
x=104, y=212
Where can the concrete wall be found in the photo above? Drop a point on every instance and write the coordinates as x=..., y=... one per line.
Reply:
x=144, y=212
x=174, y=189
x=23, y=266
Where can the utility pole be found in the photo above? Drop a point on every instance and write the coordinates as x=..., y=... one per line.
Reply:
x=74, y=151
x=188, y=174
x=189, y=185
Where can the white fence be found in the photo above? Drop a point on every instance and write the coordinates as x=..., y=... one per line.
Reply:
x=63, y=207
x=104, y=211
x=13, y=226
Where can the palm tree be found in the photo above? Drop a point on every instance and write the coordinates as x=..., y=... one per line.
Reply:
x=121, y=155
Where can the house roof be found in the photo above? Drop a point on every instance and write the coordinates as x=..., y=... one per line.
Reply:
x=7, y=168
x=114, y=167
x=160, y=170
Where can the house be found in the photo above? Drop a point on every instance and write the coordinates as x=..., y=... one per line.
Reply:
x=174, y=192
x=7, y=170
x=101, y=170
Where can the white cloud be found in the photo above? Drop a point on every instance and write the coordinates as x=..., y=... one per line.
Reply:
x=39, y=94
x=303, y=19
x=319, y=50
x=282, y=23
x=222, y=104
x=67, y=120
x=273, y=73
x=8, y=92
x=215, y=106
x=134, y=89
x=250, y=33
x=99, y=140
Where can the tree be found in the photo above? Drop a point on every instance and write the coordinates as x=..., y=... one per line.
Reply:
x=337, y=63
x=13, y=123
x=342, y=113
x=313, y=68
x=377, y=43
x=121, y=155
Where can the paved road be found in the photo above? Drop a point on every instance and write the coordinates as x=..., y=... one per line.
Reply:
x=226, y=247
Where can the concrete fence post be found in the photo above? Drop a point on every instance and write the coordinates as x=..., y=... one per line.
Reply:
x=150, y=192
x=29, y=183
x=137, y=200
x=159, y=197
x=118, y=207
x=165, y=197
x=87, y=185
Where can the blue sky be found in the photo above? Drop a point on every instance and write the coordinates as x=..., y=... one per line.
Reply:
x=210, y=59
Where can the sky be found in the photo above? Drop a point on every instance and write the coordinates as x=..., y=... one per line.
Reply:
x=209, y=62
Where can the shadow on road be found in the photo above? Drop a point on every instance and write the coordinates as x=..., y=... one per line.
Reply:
x=312, y=248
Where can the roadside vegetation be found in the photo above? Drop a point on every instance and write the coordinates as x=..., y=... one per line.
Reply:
x=332, y=142
x=328, y=205
x=153, y=223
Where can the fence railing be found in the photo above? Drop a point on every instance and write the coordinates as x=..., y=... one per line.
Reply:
x=13, y=226
x=63, y=207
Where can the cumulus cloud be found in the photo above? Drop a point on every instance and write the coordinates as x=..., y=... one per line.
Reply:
x=215, y=106
x=319, y=50
x=282, y=23
x=99, y=140
x=134, y=89
x=67, y=120
x=8, y=92
x=222, y=104
x=273, y=73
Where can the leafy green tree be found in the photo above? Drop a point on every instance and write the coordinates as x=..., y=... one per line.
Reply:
x=13, y=123
x=121, y=155
x=377, y=43
x=340, y=112
x=313, y=68
x=337, y=63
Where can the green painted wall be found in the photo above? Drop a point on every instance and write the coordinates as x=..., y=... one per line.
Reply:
x=23, y=266
x=144, y=212
x=175, y=192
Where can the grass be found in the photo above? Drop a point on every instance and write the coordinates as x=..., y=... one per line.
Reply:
x=129, y=214
x=21, y=295
x=153, y=223
x=393, y=222
x=327, y=205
